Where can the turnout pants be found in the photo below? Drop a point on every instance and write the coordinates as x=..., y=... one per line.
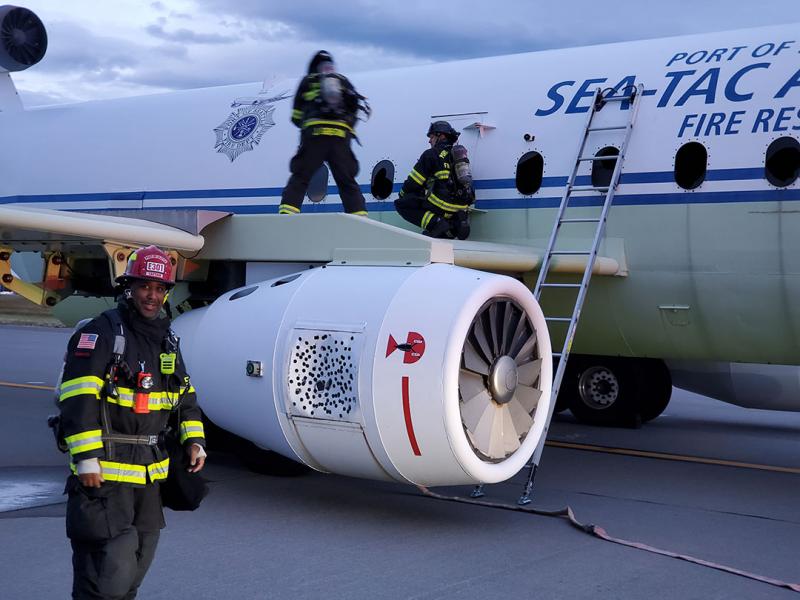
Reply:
x=313, y=151
x=114, y=531
x=417, y=210
x=433, y=221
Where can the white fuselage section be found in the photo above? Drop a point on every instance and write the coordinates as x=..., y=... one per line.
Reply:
x=714, y=271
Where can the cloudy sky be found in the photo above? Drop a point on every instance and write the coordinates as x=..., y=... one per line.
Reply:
x=111, y=48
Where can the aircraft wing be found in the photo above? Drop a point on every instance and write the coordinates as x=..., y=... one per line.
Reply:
x=88, y=248
x=80, y=249
x=21, y=226
x=340, y=238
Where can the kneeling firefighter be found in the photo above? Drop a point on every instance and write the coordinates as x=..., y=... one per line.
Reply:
x=123, y=378
x=438, y=192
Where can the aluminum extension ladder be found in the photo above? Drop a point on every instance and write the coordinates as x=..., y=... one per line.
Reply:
x=599, y=101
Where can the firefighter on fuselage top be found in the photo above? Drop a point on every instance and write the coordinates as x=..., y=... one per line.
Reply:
x=438, y=192
x=123, y=376
x=326, y=108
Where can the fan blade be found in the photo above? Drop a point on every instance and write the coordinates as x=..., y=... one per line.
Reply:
x=494, y=328
x=496, y=444
x=480, y=335
x=473, y=360
x=27, y=55
x=471, y=384
x=520, y=335
x=520, y=417
x=474, y=409
x=484, y=429
x=522, y=354
x=507, y=321
x=510, y=435
x=528, y=397
x=528, y=373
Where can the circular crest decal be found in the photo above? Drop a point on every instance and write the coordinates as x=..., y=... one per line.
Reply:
x=242, y=130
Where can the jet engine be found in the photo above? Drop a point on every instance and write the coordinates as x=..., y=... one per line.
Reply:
x=431, y=375
x=23, y=39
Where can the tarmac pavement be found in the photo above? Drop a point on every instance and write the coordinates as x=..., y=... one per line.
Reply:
x=331, y=537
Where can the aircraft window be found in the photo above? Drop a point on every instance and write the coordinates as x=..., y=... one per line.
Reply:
x=382, y=180
x=691, y=163
x=285, y=280
x=602, y=170
x=243, y=293
x=318, y=186
x=782, y=165
x=530, y=168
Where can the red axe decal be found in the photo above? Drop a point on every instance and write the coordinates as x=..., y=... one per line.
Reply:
x=413, y=349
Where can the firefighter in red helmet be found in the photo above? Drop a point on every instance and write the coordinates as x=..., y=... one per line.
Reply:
x=123, y=378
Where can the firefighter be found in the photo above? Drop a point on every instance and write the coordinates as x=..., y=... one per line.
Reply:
x=114, y=405
x=325, y=109
x=432, y=197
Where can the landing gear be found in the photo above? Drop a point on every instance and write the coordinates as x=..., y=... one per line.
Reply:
x=614, y=391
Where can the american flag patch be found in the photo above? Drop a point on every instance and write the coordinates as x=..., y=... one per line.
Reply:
x=87, y=341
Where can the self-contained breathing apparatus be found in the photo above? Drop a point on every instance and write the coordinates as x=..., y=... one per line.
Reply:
x=339, y=101
x=461, y=172
x=144, y=382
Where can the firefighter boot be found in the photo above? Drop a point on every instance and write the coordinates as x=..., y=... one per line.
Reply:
x=438, y=227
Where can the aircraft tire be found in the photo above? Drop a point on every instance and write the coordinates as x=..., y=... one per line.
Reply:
x=604, y=391
x=658, y=389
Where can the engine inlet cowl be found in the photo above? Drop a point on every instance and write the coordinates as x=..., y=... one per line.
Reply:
x=23, y=38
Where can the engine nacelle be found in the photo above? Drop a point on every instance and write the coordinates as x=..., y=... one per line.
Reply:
x=435, y=375
x=23, y=39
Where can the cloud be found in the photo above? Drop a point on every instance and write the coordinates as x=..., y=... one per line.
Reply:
x=473, y=28
x=143, y=49
x=171, y=50
x=33, y=98
x=72, y=47
x=167, y=78
x=187, y=36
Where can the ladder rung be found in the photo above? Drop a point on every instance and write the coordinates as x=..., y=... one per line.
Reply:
x=559, y=319
x=617, y=98
x=588, y=188
x=571, y=252
x=581, y=220
x=609, y=157
x=557, y=354
x=561, y=285
x=608, y=128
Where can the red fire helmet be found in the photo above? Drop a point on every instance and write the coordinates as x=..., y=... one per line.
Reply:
x=149, y=264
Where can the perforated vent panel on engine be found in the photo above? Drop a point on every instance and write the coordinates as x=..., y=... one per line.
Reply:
x=323, y=375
